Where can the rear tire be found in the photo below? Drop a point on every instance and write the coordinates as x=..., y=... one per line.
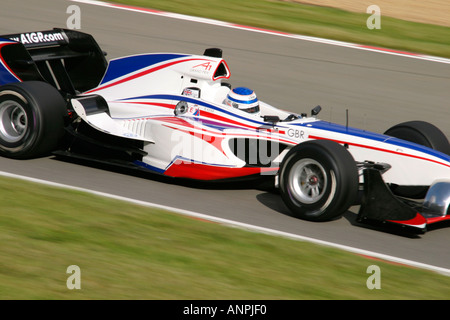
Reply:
x=319, y=180
x=31, y=119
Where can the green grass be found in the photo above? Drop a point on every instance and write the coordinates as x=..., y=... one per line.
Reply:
x=130, y=252
x=314, y=21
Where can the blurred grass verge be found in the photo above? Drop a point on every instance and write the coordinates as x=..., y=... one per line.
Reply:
x=130, y=252
x=323, y=22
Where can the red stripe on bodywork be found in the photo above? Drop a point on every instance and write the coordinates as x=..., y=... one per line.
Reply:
x=211, y=139
x=438, y=219
x=184, y=169
x=155, y=104
x=380, y=149
x=175, y=120
x=210, y=115
x=418, y=220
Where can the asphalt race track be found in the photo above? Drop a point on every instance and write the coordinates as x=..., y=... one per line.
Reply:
x=379, y=90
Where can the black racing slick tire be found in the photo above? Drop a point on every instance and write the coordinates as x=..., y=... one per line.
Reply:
x=421, y=132
x=31, y=119
x=425, y=134
x=318, y=180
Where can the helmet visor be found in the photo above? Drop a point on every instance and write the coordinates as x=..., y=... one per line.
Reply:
x=254, y=109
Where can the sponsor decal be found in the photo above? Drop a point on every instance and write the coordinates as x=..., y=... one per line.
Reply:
x=203, y=68
x=38, y=37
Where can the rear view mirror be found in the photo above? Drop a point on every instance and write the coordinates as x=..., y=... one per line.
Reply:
x=316, y=110
x=273, y=119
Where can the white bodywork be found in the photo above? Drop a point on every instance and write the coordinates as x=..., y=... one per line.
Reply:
x=143, y=92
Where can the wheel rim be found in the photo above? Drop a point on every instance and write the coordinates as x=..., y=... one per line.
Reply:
x=307, y=181
x=13, y=121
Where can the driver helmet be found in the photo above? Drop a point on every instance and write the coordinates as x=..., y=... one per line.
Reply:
x=243, y=99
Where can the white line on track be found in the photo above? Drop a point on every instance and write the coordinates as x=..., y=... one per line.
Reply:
x=232, y=223
x=266, y=31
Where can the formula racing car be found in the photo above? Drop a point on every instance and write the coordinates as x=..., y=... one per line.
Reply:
x=176, y=115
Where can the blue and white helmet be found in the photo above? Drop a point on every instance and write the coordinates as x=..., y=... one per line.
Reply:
x=244, y=99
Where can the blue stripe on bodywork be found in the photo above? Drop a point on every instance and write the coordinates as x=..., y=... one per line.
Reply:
x=122, y=66
x=5, y=75
x=217, y=125
x=337, y=128
x=321, y=125
x=195, y=101
x=149, y=167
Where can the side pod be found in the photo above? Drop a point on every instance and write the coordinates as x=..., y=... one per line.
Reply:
x=93, y=109
x=380, y=204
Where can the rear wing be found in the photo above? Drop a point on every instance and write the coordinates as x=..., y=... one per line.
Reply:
x=69, y=60
x=39, y=39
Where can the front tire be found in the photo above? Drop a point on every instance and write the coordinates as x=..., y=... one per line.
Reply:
x=425, y=134
x=421, y=132
x=31, y=119
x=318, y=180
